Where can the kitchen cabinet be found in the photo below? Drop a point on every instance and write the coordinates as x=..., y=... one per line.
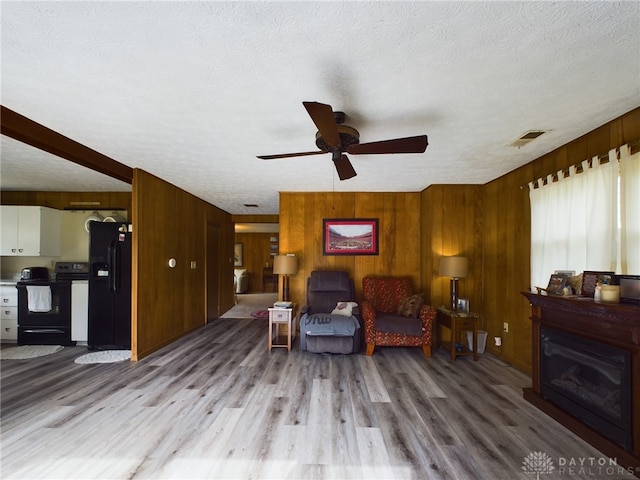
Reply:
x=8, y=313
x=30, y=231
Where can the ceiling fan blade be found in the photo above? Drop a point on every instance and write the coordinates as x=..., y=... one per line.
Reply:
x=322, y=116
x=399, y=145
x=289, y=155
x=344, y=168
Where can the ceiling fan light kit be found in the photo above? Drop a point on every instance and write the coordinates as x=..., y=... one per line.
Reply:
x=335, y=138
x=348, y=136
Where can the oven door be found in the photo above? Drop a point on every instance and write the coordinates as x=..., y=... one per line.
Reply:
x=41, y=320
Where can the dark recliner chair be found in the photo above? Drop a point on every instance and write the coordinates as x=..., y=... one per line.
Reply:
x=320, y=330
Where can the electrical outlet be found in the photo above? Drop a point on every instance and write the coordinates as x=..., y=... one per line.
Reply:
x=505, y=327
x=193, y=265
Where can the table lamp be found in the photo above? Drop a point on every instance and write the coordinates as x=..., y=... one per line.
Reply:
x=454, y=267
x=285, y=265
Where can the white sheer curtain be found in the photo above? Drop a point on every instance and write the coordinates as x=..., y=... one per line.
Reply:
x=574, y=221
x=629, y=212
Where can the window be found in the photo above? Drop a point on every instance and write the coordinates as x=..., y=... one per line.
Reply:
x=587, y=218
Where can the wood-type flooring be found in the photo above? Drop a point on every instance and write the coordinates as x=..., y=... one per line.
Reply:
x=216, y=404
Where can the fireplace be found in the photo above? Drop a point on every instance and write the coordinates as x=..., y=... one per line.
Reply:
x=590, y=380
x=585, y=371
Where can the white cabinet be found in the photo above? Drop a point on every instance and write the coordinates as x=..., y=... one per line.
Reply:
x=8, y=313
x=30, y=231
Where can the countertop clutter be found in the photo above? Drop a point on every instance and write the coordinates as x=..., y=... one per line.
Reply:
x=10, y=278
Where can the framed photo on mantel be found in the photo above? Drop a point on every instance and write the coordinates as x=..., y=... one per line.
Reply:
x=557, y=282
x=591, y=278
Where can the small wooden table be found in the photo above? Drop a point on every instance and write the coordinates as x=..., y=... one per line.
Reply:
x=269, y=280
x=279, y=317
x=458, y=322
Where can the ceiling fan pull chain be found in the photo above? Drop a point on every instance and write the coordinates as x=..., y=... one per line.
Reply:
x=333, y=179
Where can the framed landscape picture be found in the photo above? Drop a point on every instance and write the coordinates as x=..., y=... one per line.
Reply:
x=237, y=255
x=350, y=236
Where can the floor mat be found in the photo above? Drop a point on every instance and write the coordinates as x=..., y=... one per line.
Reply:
x=249, y=303
x=28, y=351
x=104, y=356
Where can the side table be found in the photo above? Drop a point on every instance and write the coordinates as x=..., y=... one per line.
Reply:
x=269, y=280
x=280, y=318
x=458, y=322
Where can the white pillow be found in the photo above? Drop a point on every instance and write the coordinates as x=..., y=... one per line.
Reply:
x=344, y=308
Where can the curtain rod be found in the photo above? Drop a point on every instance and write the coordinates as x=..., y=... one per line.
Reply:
x=634, y=147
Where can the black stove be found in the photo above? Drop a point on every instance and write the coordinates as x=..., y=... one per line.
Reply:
x=44, y=306
x=64, y=272
x=69, y=271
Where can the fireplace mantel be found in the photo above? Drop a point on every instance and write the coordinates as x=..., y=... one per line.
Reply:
x=611, y=324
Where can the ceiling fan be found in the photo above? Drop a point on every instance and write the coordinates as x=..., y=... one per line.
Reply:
x=335, y=138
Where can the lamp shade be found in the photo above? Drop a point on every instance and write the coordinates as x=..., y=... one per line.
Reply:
x=285, y=265
x=454, y=267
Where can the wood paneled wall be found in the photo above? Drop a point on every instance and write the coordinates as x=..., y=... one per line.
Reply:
x=451, y=226
x=254, y=218
x=171, y=223
x=301, y=216
x=506, y=228
x=70, y=200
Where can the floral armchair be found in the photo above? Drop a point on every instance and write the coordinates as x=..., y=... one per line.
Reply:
x=394, y=316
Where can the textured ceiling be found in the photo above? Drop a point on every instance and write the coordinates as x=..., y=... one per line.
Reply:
x=193, y=91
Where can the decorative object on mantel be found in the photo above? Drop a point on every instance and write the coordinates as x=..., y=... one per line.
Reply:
x=557, y=284
x=609, y=293
x=454, y=267
x=591, y=279
x=629, y=288
x=28, y=351
x=571, y=284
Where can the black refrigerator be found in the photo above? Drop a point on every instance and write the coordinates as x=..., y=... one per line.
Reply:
x=109, y=286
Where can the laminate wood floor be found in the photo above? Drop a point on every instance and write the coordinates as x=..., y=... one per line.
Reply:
x=216, y=404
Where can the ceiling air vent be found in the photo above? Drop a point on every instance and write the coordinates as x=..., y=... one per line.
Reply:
x=526, y=138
